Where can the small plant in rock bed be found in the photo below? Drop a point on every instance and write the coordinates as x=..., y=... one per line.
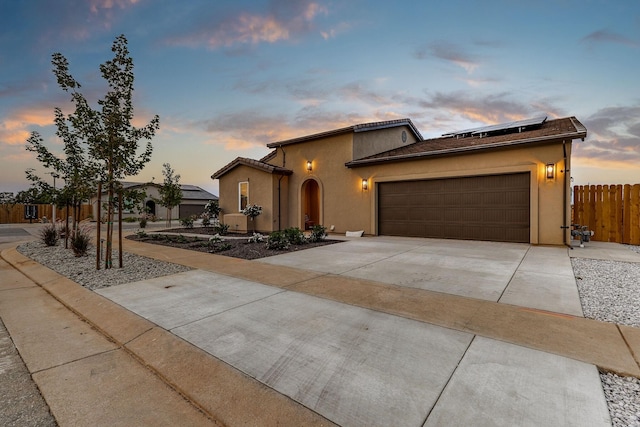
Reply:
x=252, y=211
x=206, y=222
x=141, y=234
x=294, y=235
x=278, y=240
x=80, y=240
x=318, y=232
x=256, y=238
x=221, y=229
x=187, y=222
x=49, y=235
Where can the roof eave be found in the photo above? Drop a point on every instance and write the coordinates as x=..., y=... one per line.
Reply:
x=580, y=133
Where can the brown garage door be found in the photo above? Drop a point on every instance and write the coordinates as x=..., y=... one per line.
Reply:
x=493, y=207
x=189, y=210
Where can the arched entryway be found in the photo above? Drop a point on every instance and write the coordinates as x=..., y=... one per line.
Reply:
x=151, y=207
x=310, y=204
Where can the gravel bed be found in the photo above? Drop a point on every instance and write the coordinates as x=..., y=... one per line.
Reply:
x=82, y=270
x=610, y=291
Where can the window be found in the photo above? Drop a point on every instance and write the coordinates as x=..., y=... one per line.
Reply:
x=243, y=194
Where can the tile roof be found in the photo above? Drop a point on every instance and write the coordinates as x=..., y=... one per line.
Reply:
x=356, y=128
x=257, y=164
x=551, y=130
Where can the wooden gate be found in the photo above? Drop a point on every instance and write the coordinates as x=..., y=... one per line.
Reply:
x=611, y=211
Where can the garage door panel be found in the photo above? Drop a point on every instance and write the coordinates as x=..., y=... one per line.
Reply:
x=494, y=207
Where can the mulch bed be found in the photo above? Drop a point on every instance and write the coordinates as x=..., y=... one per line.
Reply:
x=237, y=248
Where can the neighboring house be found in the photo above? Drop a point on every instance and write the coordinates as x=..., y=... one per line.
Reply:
x=193, y=201
x=508, y=182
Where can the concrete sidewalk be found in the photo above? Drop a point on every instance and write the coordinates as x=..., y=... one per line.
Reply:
x=266, y=342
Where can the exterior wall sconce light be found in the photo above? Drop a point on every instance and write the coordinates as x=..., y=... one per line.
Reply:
x=365, y=184
x=550, y=170
x=309, y=166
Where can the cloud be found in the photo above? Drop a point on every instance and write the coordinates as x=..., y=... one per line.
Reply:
x=613, y=137
x=284, y=20
x=490, y=109
x=17, y=125
x=448, y=52
x=605, y=36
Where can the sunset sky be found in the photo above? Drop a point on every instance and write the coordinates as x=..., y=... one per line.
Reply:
x=228, y=77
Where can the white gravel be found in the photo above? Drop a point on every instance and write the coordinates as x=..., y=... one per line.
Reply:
x=82, y=270
x=610, y=292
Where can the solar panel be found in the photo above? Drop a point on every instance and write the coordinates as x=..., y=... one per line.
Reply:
x=502, y=127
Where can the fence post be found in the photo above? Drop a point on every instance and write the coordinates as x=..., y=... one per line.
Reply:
x=634, y=215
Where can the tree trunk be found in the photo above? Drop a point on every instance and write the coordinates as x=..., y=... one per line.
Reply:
x=120, y=229
x=98, y=226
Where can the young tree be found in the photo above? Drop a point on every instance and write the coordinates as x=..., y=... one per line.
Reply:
x=112, y=141
x=170, y=192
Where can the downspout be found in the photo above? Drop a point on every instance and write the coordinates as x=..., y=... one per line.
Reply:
x=279, y=216
x=284, y=162
x=564, y=196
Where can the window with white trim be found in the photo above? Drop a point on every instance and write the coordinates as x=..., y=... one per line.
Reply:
x=243, y=195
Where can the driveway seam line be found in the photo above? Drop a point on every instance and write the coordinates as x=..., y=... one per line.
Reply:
x=514, y=274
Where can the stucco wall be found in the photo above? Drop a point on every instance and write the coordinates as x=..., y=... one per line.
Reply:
x=374, y=142
x=260, y=193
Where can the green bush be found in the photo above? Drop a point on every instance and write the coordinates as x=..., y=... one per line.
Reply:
x=278, y=240
x=318, y=232
x=187, y=222
x=80, y=241
x=129, y=219
x=206, y=222
x=49, y=235
x=294, y=235
x=221, y=229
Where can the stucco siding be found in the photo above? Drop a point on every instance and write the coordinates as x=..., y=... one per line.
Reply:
x=370, y=143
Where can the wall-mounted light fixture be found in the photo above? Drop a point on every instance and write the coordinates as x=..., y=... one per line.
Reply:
x=309, y=166
x=550, y=169
x=365, y=184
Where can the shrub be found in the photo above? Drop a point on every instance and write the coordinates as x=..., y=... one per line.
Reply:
x=206, y=222
x=49, y=235
x=143, y=221
x=318, y=232
x=256, y=238
x=294, y=235
x=141, y=234
x=80, y=241
x=221, y=229
x=129, y=219
x=278, y=240
x=221, y=246
x=215, y=238
x=187, y=222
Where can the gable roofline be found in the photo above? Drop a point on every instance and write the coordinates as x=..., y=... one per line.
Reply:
x=429, y=148
x=364, y=127
x=189, y=191
x=256, y=164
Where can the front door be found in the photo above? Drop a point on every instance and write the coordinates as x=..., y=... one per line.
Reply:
x=310, y=204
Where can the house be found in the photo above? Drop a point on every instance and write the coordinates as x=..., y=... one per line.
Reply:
x=193, y=201
x=508, y=182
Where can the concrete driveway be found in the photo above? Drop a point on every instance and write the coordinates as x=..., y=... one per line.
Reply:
x=512, y=273
x=356, y=366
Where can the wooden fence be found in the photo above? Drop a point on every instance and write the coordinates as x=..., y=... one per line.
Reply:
x=16, y=214
x=611, y=211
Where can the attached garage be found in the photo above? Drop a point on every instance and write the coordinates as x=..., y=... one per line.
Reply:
x=489, y=207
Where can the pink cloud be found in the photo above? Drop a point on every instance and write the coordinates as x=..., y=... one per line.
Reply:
x=251, y=28
x=17, y=126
